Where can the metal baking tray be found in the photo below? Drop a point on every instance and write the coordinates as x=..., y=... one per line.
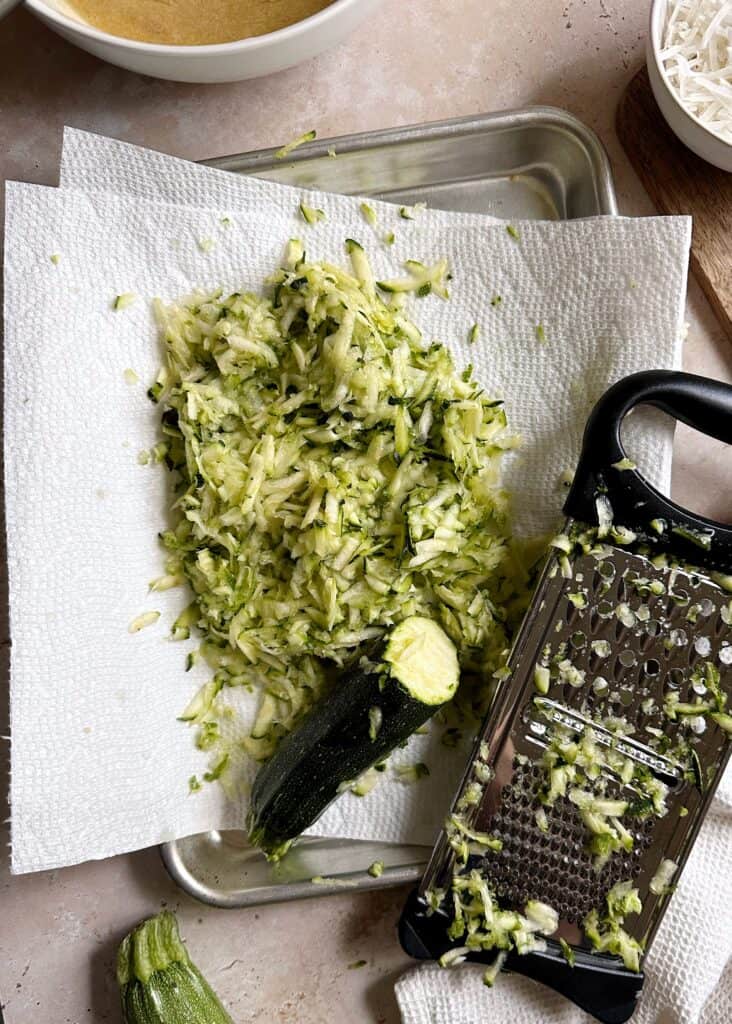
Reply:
x=534, y=164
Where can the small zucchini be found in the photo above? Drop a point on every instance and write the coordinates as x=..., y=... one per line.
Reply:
x=158, y=981
x=416, y=674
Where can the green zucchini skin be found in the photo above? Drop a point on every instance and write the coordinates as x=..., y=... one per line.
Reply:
x=331, y=747
x=158, y=981
x=178, y=995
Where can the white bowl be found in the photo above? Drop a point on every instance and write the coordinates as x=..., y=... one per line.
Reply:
x=217, y=62
x=686, y=126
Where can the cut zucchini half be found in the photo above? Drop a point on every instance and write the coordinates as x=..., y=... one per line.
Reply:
x=336, y=743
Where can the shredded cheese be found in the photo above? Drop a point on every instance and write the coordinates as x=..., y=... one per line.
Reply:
x=696, y=55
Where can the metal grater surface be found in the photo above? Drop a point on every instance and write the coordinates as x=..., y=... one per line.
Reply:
x=536, y=865
x=631, y=649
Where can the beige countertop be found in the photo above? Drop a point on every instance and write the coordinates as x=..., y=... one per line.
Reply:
x=421, y=60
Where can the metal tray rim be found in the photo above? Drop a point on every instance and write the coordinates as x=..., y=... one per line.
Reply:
x=527, y=117
x=352, y=881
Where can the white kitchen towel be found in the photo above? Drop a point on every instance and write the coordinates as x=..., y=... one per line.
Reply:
x=688, y=970
x=99, y=763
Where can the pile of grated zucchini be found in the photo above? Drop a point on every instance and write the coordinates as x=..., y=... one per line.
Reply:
x=334, y=474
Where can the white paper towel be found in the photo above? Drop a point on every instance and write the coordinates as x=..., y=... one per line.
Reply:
x=681, y=976
x=99, y=763
x=95, y=163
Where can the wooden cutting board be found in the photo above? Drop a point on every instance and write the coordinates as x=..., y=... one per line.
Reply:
x=680, y=182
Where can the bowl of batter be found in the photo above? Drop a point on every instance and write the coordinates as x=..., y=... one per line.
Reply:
x=204, y=40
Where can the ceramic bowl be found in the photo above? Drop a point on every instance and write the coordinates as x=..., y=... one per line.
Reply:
x=217, y=62
x=705, y=143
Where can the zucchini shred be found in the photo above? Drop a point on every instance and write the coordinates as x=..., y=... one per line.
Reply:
x=334, y=475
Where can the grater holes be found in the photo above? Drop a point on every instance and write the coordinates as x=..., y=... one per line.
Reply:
x=702, y=646
x=675, y=679
x=578, y=640
x=646, y=642
x=720, y=626
x=678, y=637
x=551, y=866
x=680, y=597
x=658, y=671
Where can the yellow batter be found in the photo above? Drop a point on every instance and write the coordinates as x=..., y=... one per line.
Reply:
x=193, y=22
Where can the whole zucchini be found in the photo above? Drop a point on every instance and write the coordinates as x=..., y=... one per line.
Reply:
x=158, y=981
x=370, y=711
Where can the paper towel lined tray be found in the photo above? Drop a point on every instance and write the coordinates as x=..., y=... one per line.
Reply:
x=534, y=164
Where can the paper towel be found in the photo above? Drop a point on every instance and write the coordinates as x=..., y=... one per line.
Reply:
x=99, y=763
x=681, y=980
x=95, y=163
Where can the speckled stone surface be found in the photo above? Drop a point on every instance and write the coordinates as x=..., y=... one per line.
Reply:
x=420, y=60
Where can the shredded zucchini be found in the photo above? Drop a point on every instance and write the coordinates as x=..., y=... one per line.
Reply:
x=369, y=215
x=410, y=212
x=310, y=214
x=423, y=280
x=335, y=475
x=284, y=151
x=568, y=952
x=365, y=783
x=142, y=621
x=123, y=301
x=412, y=772
x=339, y=883
x=479, y=923
x=541, y=679
x=660, y=884
x=375, y=719
x=605, y=931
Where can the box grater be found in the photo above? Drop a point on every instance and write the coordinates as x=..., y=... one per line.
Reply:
x=625, y=638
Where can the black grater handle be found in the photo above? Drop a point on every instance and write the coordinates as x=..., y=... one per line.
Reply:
x=701, y=403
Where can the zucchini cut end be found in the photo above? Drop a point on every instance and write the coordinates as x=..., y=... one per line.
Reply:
x=423, y=660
